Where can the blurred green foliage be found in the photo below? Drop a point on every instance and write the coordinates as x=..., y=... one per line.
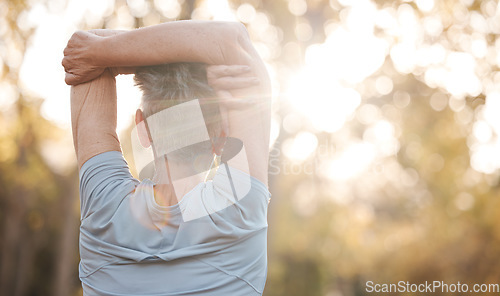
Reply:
x=423, y=209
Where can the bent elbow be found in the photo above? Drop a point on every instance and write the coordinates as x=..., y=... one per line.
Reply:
x=229, y=42
x=231, y=31
x=240, y=32
x=240, y=29
x=236, y=41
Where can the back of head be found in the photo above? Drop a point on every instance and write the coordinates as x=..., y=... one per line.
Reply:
x=167, y=85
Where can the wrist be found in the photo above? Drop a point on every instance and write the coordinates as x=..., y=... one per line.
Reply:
x=98, y=51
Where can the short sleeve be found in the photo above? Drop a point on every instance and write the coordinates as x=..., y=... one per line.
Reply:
x=105, y=180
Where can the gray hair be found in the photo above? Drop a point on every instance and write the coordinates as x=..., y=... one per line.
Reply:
x=167, y=85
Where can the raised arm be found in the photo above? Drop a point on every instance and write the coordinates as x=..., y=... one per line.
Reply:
x=207, y=42
x=93, y=117
x=182, y=41
x=222, y=43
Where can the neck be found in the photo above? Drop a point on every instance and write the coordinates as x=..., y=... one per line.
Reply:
x=170, y=190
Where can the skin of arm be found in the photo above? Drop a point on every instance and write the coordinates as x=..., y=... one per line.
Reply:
x=213, y=43
x=93, y=117
x=222, y=43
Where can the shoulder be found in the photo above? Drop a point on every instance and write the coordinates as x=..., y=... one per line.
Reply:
x=110, y=162
x=105, y=179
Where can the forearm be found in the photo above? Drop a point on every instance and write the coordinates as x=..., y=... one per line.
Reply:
x=93, y=117
x=108, y=33
x=87, y=54
x=252, y=127
x=181, y=41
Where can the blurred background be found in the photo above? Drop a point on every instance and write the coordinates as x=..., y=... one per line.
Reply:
x=385, y=148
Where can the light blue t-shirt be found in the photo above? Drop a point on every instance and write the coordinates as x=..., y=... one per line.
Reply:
x=130, y=245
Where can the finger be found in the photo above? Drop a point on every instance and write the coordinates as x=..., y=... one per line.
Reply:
x=224, y=98
x=66, y=64
x=70, y=79
x=228, y=83
x=237, y=103
x=226, y=70
x=223, y=95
